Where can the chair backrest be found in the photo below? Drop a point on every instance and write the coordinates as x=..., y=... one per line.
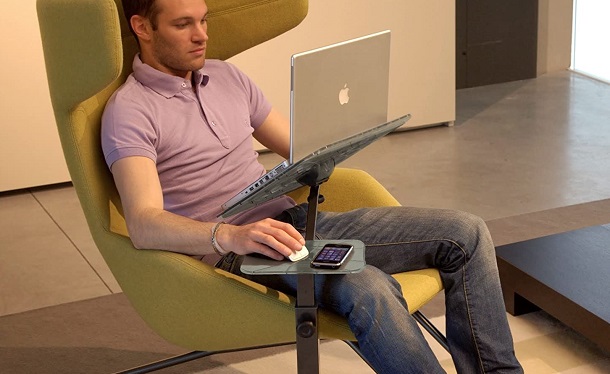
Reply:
x=88, y=51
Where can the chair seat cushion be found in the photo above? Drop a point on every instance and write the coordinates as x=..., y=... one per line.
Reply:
x=419, y=286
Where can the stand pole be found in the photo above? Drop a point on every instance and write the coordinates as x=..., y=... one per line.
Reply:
x=312, y=212
x=308, y=357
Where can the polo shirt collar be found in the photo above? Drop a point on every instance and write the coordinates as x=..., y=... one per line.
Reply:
x=164, y=84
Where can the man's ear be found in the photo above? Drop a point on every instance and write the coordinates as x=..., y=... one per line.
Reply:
x=142, y=27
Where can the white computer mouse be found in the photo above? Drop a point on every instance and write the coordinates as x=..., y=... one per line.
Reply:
x=299, y=255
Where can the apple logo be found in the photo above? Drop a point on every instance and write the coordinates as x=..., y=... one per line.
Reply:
x=344, y=95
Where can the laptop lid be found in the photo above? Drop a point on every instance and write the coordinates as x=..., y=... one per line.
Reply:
x=337, y=91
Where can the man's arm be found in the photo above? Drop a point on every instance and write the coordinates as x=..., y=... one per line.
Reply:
x=150, y=226
x=274, y=133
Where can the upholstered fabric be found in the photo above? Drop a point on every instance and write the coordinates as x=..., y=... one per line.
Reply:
x=88, y=52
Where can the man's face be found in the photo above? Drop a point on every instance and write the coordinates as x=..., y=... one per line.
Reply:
x=178, y=44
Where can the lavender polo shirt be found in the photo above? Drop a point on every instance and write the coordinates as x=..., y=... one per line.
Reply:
x=199, y=139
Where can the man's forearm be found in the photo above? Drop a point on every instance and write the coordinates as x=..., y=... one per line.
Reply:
x=159, y=229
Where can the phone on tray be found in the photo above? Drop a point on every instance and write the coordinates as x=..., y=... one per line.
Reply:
x=332, y=256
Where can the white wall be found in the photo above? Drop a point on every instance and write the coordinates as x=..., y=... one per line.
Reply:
x=30, y=154
x=554, y=35
x=422, y=67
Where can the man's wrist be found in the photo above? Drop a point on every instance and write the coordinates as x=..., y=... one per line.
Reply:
x=215, y=245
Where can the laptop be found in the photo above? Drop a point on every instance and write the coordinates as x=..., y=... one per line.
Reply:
x=331, y=99
x=338, y=91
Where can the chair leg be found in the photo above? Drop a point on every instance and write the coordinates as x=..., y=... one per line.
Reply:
x=177, y=360
x=432, y=330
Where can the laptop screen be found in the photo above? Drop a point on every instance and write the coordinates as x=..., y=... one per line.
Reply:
x=338, y=91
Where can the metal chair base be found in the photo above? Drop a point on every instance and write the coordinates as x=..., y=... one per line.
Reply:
x=177, y=360
x=181, y=359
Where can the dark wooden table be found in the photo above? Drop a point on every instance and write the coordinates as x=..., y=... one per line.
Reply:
x=567, y=275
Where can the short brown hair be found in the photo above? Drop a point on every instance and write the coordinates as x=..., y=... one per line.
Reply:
x=144, y=8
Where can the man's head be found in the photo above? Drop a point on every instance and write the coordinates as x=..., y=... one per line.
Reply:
x=172, y=34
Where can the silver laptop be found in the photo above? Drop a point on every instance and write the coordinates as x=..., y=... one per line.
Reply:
x=336, y=91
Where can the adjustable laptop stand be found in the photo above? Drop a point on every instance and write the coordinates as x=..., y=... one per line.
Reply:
x=308, y=356
x=311, y=171
x=306, y=311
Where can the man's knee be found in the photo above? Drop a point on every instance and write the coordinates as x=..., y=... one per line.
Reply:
x=467, y=222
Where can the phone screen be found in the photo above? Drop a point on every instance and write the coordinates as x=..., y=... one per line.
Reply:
x=332, y=256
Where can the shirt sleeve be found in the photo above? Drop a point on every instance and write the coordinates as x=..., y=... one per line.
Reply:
x=127, y=130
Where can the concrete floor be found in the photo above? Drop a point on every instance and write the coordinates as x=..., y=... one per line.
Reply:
x=515, y=148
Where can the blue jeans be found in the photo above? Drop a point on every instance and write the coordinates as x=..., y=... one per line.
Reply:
x=400, y=239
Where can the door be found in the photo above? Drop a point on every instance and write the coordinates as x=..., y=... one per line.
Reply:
x=496, y=41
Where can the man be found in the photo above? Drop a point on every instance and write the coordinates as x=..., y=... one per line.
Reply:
x=177, y=137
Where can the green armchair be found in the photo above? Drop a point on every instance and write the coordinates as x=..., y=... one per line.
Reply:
x=88, y=52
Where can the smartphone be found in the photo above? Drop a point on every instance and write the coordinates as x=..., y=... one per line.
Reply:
x=332, y=256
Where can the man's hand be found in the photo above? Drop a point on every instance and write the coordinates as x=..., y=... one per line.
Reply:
x=268, y=237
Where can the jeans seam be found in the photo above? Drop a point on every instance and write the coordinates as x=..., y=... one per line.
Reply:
x=466, y=298
x=470, y=321
x=421, y=241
